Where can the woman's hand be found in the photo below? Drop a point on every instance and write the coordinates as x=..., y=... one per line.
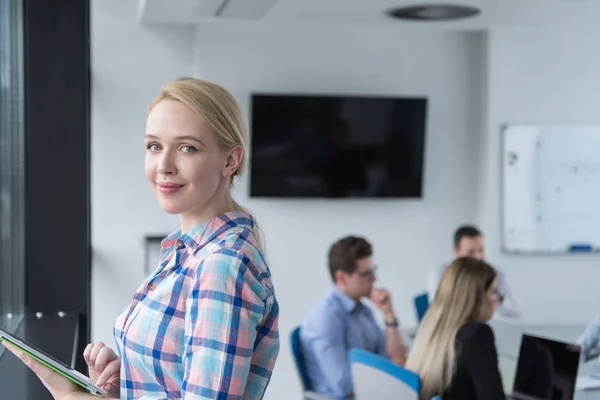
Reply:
x=104, y=367
x=60, y=387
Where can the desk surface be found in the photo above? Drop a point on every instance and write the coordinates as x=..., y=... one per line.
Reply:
x=508, y=368
x=508, y=334
x=508, y=342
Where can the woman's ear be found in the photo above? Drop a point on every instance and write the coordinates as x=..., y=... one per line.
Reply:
x=233, y=161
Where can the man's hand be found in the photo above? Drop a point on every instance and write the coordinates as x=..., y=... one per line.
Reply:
x=400, y=359
x=383, y=300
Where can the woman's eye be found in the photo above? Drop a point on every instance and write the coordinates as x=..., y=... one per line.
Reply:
x=188, y=149
x=153, y=147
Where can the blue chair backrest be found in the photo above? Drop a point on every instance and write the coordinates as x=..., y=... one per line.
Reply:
x=376, y=377
x=299, y=358
x=421, y=305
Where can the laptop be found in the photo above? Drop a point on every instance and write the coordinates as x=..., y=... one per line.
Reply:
x=546, y=370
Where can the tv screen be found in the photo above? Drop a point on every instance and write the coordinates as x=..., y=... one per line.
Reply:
x=336, y=146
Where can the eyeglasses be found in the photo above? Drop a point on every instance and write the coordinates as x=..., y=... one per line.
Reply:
x=368, y=274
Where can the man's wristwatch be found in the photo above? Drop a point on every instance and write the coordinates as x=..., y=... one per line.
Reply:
x=392, y=324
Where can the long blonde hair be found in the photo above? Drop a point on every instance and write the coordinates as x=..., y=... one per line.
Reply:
x=219, y=109
x=459, y=299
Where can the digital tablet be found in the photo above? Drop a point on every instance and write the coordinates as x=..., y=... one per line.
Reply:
x=52, y=363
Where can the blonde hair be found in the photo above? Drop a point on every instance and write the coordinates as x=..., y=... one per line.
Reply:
x=219, y=109
x=459, y=299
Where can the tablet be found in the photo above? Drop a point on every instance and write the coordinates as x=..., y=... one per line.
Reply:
x=54, y=364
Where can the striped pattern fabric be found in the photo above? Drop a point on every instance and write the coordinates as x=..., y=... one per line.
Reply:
x=204, y=325
x=590, y=338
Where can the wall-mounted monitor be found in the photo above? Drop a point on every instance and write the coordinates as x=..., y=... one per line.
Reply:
x=318, y=146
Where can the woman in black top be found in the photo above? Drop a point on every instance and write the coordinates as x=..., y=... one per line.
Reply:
x=454, y=351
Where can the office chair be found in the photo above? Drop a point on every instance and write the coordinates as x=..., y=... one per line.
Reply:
x=299, y=361
x=376, y=377
x=421, y=305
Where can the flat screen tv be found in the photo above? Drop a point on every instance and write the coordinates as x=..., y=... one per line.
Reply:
x=314, y=146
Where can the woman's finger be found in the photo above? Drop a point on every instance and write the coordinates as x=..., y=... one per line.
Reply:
x=87, y=353
x=94, y=354
x=105, y=356
x=111, y=369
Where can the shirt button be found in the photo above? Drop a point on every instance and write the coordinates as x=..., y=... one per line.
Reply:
x=152, y=287
x=179, y=244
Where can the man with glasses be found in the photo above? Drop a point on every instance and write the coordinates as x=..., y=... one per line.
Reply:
x=341, y=321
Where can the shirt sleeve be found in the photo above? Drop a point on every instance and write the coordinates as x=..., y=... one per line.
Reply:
x=432, y=282
x=381, y=344
x=590, y=337
x=332, y=354
x=381, y=349
x=508, y=307
x=223, y=313
x=481, y=361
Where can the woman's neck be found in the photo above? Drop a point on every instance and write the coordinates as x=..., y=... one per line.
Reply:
x=217, y=206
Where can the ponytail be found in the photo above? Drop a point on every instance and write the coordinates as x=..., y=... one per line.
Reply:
x=256, y=231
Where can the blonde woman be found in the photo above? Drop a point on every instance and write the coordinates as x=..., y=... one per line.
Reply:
x=454, y=351
x=204, y=324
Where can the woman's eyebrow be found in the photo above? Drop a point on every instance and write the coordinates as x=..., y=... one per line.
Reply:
x=185, y=137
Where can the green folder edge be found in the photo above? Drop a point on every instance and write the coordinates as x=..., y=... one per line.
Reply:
x=83, y=385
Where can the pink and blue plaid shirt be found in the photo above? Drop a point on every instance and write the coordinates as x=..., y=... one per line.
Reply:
x=204, y=324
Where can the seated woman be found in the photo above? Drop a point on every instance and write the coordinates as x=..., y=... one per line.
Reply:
x=454, y=351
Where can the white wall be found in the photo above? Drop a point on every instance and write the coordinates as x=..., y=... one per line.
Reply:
x=532, y=75
x=410, y=237
x=541, y=76
x=129, y=64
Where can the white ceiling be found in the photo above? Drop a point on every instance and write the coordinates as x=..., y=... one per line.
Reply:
x=495, y=13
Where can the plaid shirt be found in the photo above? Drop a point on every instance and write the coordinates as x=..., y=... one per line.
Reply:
x=204, y=325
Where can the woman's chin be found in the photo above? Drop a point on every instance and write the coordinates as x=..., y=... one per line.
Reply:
x=170, y=208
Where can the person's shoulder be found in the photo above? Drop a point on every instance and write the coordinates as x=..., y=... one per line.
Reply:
x=435, y=275
x=475, y=330
x=325, y=312
x=240, y=240
x=231, y=258
x=235, y=247
x=440, y=269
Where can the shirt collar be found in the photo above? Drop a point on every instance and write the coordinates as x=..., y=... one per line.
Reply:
x=347, y=302
x=204, y=233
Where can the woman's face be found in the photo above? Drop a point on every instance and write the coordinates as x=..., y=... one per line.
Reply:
x=490, y=300
x=187, y=169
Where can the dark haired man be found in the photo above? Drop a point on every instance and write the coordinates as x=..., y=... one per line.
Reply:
x=469, y=242
x=341, y=321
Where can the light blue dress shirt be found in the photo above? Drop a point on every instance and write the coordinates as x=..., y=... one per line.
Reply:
x=333, y=326
x=590, y=337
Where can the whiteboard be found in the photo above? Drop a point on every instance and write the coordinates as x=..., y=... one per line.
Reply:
x=551, y=188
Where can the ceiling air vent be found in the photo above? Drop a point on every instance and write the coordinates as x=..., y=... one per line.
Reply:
x=433, y=12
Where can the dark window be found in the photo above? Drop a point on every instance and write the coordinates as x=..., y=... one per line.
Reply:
x=12, y=162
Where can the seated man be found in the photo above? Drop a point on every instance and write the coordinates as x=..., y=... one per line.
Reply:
x=341, y=321
x=468, y=242
x=590, y=339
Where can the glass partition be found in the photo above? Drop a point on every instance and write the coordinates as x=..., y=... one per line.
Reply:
x=12, y=165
